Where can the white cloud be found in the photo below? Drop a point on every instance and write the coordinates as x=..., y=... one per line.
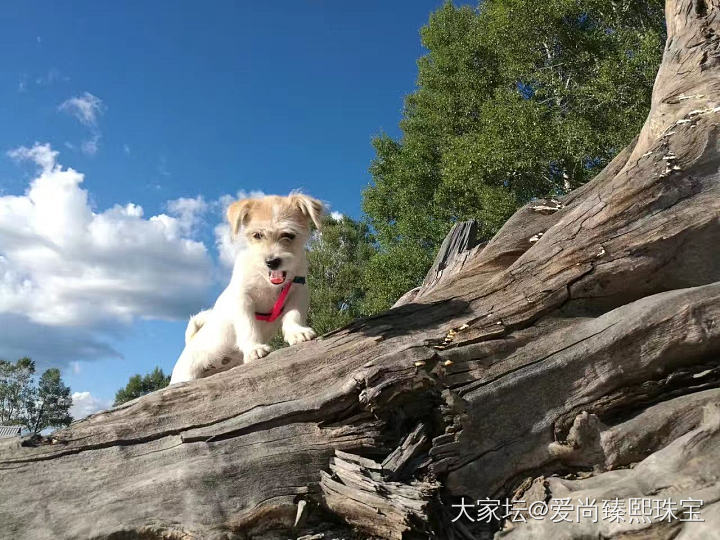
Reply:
x=226, y=246
x=86, y=108
x=85, y=404
x=337, y=216
x=72, y=277
x=52, y=346
x=90, y=146
x=62, y=264
x=189, y=211
x=41, y=154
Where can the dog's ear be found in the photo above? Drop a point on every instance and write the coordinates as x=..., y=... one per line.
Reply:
x=238, y=213
x=310, y=208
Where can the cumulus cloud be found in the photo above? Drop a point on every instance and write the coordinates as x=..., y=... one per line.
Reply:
x=67, y=270
x=42, y=154
x=337, y=216
x=85, y=404
x=228, y=247
x=189, y=211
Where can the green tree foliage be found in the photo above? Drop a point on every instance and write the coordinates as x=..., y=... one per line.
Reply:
x=337, y=257
x=51, y=403
x=140, y=385
x=16, y=390
x=514, y=100
x=34, y=407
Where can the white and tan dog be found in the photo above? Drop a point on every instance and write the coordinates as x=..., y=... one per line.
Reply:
x=267, y=289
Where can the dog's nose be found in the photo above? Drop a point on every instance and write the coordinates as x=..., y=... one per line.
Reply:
x=273, y=262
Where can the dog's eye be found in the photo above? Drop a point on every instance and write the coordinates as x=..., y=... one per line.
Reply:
x=257, y=236
x=287, y=236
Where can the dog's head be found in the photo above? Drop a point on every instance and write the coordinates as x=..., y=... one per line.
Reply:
x=276, y=230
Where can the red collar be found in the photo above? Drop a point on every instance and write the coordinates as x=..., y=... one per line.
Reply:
x=280, y=302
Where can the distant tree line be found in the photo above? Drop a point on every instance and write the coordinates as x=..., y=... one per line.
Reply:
x=139, y=385
x=30, y=404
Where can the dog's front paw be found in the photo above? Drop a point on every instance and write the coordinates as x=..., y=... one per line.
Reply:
x=300, y=334
x=256, y=351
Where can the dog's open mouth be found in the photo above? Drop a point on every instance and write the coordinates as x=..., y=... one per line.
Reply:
x=277, y=277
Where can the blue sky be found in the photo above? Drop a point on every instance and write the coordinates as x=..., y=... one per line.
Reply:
x=126, y=126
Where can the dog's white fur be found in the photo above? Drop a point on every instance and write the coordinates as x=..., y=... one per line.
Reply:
x=229, y=334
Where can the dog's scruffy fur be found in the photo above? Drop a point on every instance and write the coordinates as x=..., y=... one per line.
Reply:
x=276, y=230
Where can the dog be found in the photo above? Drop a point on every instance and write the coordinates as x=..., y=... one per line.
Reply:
x=267, y=290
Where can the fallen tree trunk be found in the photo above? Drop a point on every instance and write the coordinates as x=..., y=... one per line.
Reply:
x=574, y=355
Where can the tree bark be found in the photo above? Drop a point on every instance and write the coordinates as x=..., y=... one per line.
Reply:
x=574, y=355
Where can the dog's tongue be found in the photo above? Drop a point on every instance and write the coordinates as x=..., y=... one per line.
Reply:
x=277, y=277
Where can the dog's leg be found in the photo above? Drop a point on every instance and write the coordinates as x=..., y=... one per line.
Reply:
x=255, y=351
x=249, y=336
x=196, y=363
x=294, y=327
x=205, y=352
x=183, y=371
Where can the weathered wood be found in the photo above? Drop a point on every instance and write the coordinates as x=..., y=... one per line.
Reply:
x=357, y=491
x=682, y=470
x=575, y=354
x=399, y=464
